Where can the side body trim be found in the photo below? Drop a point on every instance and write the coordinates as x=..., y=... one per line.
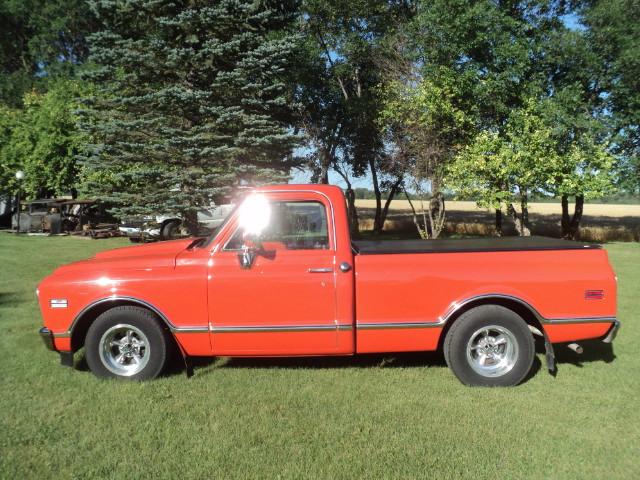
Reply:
x=279, y=328
x=341, y=327
x=382, y=326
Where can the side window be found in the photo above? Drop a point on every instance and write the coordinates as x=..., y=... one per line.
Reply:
x=294, y=225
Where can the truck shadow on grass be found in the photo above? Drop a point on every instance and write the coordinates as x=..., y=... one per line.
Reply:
x=595, y=351
x=10, y=298
x=369, y=361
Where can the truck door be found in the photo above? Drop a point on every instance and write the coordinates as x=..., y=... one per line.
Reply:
x=286, y=302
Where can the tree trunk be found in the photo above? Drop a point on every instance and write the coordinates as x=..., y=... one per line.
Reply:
x=571, y=226
x=190, y=220
x=526, y=231
x=352, y=212
x=564, y=221
x=436, y=214
x=325, y=164
x=521, y=227
x=498, y=229
x=392, y=193
x=377, y=226
x=424, y=234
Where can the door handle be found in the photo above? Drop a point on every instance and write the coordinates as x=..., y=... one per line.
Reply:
x=321, y=270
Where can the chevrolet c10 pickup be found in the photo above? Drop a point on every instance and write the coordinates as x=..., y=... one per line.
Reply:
x=282, y=277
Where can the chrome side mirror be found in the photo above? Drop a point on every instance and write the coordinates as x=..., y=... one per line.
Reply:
x=254, y=216
x=247, y=256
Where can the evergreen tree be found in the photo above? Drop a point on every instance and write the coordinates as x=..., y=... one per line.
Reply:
x=190, y=98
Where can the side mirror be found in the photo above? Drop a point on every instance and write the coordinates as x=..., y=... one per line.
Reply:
x=250, y=248
x=247, y=256
x=254, y=217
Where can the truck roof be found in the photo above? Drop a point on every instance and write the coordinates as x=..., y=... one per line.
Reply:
x=314, y=187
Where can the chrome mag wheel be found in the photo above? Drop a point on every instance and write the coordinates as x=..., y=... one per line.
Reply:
x=492, y=351
x=124, y=350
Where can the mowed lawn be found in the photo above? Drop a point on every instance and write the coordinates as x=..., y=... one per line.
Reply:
x=367, y=417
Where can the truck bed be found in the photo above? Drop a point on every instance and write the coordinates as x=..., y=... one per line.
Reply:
x=461, y=245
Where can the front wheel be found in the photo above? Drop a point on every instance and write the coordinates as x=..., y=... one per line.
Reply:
x=126, y=342
x=490, y=346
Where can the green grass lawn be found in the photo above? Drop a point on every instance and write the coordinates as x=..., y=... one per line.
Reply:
x=365, y=417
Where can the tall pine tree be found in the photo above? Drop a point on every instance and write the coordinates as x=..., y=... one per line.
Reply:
x=191, y=97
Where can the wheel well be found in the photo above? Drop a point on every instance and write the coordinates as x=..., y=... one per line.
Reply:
x=526, y=313
x=81, y=326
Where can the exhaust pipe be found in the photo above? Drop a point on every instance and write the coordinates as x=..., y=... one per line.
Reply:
x=576, y=348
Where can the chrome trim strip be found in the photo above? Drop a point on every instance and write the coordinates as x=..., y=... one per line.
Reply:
x=321, y=270
x=66, y=334
x=562, y=321
x=189, y=329
x=279, y=328
x=398, y=325
x=388, y=325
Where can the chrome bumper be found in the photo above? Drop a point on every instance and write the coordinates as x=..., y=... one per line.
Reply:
x=613, y=331
x=47, y=338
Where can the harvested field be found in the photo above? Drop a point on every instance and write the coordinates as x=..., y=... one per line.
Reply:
x=600, y=223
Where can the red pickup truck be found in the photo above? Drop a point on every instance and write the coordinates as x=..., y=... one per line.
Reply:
x=282, y=277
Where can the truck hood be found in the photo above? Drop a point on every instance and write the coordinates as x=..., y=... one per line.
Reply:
x=168, y=250
x=139, y=257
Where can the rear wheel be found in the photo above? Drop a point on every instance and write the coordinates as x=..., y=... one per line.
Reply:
x=126, y=342
x=490, y=346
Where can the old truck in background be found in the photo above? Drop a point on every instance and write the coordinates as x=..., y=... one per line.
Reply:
x=63, y=215
x=283, y=277
x=170, y=227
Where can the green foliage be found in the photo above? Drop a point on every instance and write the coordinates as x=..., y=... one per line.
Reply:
x=40, y=40
x=613, y=31
x=191, y=99
x=426, y=120
x=526, y=159
x=43, y=140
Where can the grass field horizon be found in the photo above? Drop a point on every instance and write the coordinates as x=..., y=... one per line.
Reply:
x=600, y=223
x=374, y=416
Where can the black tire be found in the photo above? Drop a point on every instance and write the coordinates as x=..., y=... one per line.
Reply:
x=133, y=332
x=503, y=338
x=170, y=230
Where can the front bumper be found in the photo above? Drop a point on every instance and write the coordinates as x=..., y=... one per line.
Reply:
x=613, y=331
x=66, y=358
x=47, y=338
